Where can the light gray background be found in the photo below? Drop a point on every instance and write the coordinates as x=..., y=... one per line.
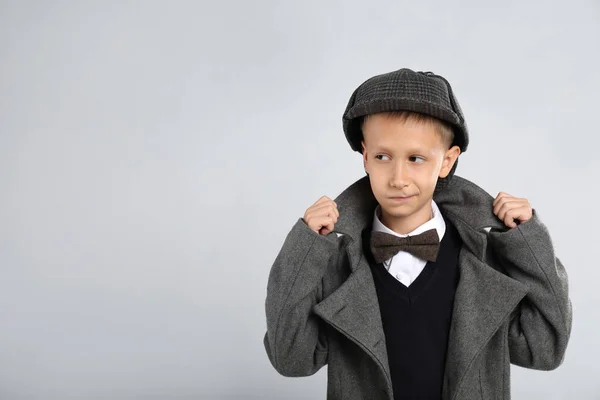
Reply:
x=154, y=155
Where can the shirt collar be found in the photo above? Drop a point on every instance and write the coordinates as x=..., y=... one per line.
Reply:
x=437, y=223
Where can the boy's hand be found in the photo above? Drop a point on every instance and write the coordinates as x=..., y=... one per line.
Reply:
x=322, y=215
x=510, y=209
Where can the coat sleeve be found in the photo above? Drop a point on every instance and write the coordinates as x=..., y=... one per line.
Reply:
x=295, y=340
x=540, y=326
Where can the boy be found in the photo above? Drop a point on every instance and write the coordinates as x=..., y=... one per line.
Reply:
x=415, y=283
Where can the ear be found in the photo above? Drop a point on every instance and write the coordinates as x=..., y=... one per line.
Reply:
x=364, y=152
x=449, y=159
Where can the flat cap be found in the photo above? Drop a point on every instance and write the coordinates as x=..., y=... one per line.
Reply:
x=405, y=89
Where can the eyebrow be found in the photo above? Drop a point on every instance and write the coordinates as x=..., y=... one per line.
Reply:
x=410, y=150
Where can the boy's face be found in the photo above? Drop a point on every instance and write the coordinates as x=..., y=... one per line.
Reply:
x=404, y=159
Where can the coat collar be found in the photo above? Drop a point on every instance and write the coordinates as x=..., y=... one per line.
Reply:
x=467, y=206
x=484, y=296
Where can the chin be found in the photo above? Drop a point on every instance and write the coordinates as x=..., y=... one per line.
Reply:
x=398, y=210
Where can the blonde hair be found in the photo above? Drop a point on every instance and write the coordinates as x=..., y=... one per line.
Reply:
x=443, y=129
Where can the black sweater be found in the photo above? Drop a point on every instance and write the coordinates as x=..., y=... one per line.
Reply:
x=416, y=319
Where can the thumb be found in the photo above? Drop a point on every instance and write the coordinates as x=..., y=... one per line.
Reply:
x=324, y=231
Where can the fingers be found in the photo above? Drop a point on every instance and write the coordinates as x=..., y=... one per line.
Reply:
x=324, y=231
x=327, y=206
x=503, y=197
x=510, y=209
x=502, y=205
x=325, y=200
x=500, y=196
x=322, y=215
x=329, y=209
x=510, y=216
x=501, y=208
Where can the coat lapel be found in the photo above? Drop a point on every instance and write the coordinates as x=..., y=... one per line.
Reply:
x=484, y=296
x=353, y=309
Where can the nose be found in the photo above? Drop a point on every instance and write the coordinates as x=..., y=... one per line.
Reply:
x=400, y=176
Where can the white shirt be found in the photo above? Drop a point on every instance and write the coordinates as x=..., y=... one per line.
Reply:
x=404, y=266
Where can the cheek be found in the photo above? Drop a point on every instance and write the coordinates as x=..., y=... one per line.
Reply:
x=437, y=167
x=379, y=182
x=429, y=173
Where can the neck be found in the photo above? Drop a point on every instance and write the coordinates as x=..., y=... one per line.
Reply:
x=406, y=224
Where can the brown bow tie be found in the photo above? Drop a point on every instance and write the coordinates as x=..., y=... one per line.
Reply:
x=424, y=245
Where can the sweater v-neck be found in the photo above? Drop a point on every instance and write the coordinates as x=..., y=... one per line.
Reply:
x=429, y=273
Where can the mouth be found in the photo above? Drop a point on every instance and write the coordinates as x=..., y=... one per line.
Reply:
x=402, y=198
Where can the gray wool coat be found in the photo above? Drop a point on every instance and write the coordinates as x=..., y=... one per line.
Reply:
x=511, y=303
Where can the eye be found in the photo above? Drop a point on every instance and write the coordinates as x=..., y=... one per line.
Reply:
x=417, y=158
x=380, y=155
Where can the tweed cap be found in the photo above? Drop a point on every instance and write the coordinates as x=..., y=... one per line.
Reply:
x=405, y=89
